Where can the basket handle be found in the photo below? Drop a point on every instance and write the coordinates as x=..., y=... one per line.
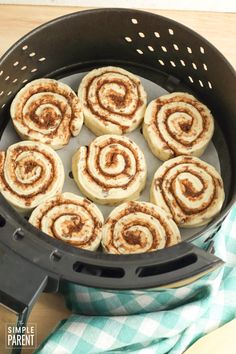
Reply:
x=16, y=296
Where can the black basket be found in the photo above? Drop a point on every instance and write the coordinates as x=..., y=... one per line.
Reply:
x=151, y=46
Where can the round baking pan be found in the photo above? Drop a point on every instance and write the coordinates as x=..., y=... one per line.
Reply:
x=163, y=53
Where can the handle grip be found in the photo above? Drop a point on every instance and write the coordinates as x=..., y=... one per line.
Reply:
x=21, y=284
x=21, y=281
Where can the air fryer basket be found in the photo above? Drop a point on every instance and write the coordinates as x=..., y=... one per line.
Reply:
x=155, y=48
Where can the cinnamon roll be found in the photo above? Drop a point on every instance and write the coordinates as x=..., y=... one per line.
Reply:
x=113, y=101
x=48, y=111
x=70, y=218
x=30, y=172
x=137, y=227
x=177, y=124
x=189, y=189
x=110, y=170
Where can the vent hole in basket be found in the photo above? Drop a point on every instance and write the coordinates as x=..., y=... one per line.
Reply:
x=189, y=50
x=166, y=267
x=141, y=34
x=1, y=93
x=55, y=256
x=150, y=48
x=182, y=62
x=1, y=72
x=201, y=83
x=70, y=174
x=202, y=50
x=105, y=272
x=32, y=54
x=18, y=235
x=209, y=85
x=161, y=62
x=134, y=21
x=139, y=51
x=14, y=81
x=24, y=47
x=2, y=221
x=16, y=63
x=7, y=78
x=157, y=34
x=4, y=104
x=171, y=31
x=42, y=59
x=175, y=46
x=23, y=67
x=24, y=81
x=34, y=70
x=194, y=66
x=190, y=79
x=9, y=93
x=164, y=48
x=173, y=63
x=128, y=39
x=204, y=66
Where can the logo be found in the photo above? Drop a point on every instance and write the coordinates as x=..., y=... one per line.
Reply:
x=21, y=337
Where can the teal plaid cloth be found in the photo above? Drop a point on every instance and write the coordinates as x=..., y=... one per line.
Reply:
x=148, y=322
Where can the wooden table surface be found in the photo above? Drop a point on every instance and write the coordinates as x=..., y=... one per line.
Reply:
x=220, y=30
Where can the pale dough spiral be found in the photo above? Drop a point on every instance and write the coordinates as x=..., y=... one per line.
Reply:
x=113, y=101
x=189, y=189
x=110, y=170
x=137, y=227
x=48, y=111
x=70, y=218
x=30, y=172
x=177, y=124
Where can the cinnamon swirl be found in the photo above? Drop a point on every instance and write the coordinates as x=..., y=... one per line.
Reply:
x=189, y=189
x=69, y=218
x=137, y=227
x=30, y=172
x=110, y=170
x=113, y=101
x=177, y=124
x=48, y=111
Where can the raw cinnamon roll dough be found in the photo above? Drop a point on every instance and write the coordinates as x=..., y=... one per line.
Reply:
x=177, y=124
x=48, y=111
x=70, y=218
x=137, y=227
x=189, y=189
x=30, y=172
x=113, y=100
x=112, y=169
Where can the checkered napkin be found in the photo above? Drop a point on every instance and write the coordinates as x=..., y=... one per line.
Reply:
x=147, y=322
